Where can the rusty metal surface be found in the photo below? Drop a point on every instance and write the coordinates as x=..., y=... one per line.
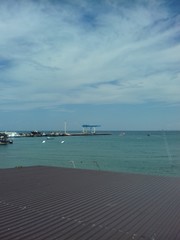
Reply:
x=47, y=203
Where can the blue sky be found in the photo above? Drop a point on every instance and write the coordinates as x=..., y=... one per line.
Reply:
x=109, y=62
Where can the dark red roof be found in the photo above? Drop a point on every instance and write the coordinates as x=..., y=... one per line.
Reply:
x=56, y=203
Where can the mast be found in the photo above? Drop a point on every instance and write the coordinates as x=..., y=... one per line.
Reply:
x=65, y=127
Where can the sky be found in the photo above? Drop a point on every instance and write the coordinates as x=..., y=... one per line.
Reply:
x=110, y=62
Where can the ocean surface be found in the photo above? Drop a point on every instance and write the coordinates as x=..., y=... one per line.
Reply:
x=156, y=152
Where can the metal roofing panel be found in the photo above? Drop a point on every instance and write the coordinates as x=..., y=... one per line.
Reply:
x=57, y=203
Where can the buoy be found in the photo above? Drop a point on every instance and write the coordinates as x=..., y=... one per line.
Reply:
x=43, y=141
x=62, y=141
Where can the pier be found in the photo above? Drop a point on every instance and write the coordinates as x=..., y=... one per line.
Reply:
x=88, y=130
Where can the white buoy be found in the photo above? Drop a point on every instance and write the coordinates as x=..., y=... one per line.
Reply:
x=62, y=141
x=43, y=141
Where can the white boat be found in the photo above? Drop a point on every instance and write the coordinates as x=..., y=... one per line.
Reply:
x=49, y=138
x=12, y=134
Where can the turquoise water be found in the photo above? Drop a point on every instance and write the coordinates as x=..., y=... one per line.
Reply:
x=136, y=152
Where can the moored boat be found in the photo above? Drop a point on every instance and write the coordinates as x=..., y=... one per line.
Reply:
x=4, y=140
x=12, y=134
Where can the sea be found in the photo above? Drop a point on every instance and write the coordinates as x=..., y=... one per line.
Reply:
x=144, y=152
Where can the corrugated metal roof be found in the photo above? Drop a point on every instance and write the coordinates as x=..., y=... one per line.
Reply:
x=57, y=203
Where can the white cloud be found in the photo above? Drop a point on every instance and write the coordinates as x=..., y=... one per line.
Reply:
x=57, y=55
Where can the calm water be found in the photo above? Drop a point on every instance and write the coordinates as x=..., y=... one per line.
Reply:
x=137, y=152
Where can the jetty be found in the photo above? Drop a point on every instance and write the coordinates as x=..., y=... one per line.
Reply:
x=87, y=130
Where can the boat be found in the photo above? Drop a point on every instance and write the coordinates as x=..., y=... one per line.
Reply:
x=49, y=138
x=12, y=134
x=4, y=140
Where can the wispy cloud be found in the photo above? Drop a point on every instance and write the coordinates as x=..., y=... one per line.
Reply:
x=67, y=52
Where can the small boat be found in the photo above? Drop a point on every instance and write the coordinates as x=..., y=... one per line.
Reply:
x=49, y=138
x=4, y=140
x=122, y=134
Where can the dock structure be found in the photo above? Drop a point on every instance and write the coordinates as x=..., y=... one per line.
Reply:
x=48, y=203
x=91, y=128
